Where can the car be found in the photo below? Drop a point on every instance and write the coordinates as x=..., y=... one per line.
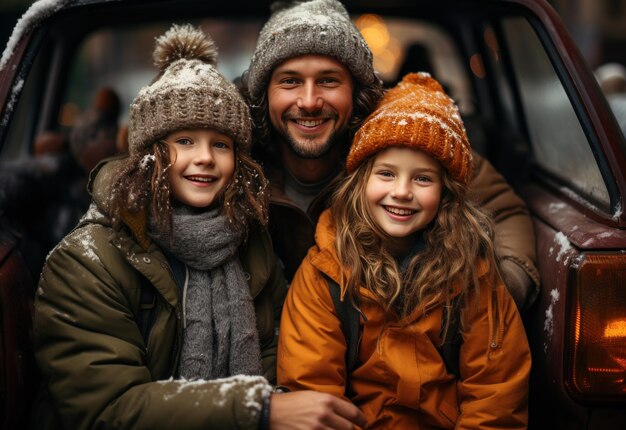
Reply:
x=531, y=106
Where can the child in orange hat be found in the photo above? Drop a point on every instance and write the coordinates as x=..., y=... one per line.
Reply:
x=404, y=247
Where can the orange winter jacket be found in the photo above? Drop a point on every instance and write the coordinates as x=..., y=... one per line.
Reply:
x=401, y=381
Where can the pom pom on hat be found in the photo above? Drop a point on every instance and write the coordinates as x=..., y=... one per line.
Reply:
x=184, y=42
x=423, y=79
x=416, y=114
x=189, y=92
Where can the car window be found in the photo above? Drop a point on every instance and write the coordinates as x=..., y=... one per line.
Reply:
x=494, y=57
x=21, y=129
x=559, y=143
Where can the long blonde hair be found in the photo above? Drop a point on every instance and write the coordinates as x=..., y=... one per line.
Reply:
x=459, y=234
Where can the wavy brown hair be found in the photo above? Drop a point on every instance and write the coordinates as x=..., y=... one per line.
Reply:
x=457, y=236
x=143, y=185
x=364, y=100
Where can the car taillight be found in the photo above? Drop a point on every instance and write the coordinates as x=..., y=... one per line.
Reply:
x=596, y=356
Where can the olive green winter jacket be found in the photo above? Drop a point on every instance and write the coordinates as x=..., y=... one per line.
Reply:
x=100, y=372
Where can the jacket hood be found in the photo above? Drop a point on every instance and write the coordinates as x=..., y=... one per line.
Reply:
x=101, y=177
x=324, y=254
x=100, y=186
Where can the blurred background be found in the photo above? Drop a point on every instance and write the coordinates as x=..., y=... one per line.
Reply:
x=597, y=26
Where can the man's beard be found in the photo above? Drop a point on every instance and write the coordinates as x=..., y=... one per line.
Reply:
x=303, y=147
x=312, y=152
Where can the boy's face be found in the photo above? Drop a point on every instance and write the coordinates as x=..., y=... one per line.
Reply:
x=310, y=103
x=203, y=164
x=403, y=193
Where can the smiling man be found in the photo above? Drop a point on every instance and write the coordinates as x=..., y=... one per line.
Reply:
x=310, y=102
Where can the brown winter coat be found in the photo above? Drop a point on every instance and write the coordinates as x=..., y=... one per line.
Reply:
x=402, y=381
x=292, y=230
x=89, y=347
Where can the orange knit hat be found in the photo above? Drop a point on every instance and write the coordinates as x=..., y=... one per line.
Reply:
x=418, y=114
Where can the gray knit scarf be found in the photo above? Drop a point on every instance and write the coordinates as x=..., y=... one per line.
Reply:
x=220, y=337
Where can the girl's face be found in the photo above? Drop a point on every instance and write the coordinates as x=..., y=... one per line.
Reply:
x=203, y=164
x=403, y=193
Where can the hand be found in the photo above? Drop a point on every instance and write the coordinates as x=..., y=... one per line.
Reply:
x=305, y=410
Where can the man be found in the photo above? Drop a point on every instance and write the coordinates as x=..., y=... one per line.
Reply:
x=310, y=83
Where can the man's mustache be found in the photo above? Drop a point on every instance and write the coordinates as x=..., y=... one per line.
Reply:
x=325, y=113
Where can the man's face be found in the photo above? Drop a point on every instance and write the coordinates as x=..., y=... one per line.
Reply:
x=310, y=103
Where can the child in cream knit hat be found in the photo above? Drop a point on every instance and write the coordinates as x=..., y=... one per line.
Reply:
x=417, y=260
x=161, y=304
x=189, y=93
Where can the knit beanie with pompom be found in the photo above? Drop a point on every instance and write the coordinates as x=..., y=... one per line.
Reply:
x=417, y=114
x=188, y=92
x=317, y=27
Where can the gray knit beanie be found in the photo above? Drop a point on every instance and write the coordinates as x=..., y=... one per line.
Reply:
x=189, y=92
x=297, y=28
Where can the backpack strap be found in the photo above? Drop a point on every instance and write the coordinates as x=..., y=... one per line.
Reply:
x=349, y=317
x=450, y=349
x=147, y=309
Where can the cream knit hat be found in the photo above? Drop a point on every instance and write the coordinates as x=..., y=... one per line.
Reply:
x=189, y=92
x=321, y=27
x=418, y=114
